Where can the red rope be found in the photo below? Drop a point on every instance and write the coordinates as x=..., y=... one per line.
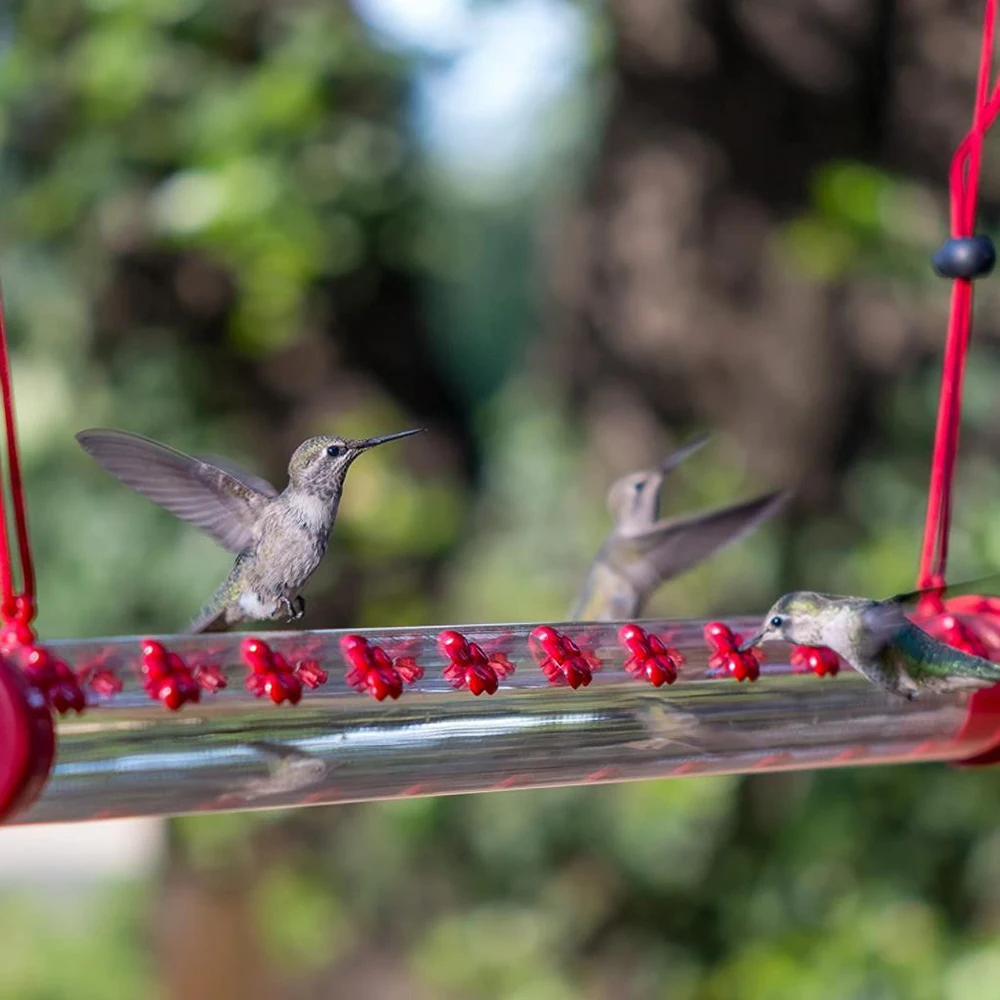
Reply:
x=15, y=607
x=964, y=183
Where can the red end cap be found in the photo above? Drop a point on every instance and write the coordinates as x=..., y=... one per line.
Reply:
x=27, y=741
x=982, y=723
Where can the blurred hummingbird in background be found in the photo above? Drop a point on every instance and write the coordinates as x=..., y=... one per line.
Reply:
x=279, y=538
x=877, y=640
x=643, y=551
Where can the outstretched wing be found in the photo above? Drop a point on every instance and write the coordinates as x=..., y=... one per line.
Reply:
x=247, y=478
x=888, y=622
x=221, y=504
x=674, y=545
x=884, y=622
x=911, y=598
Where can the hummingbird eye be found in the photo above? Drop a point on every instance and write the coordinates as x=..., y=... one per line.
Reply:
x=638, y=486
x=334, y=450
x=776, y=621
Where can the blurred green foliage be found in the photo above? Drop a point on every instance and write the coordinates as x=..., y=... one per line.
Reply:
x=51, y=946
x=197, y=194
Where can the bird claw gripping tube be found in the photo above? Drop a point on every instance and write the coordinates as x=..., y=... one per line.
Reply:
x=198, y=723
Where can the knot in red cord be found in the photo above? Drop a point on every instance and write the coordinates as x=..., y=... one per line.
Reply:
x=18, y=612
x=18, y=608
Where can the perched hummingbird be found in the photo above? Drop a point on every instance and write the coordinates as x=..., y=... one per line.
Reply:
x=279, y=538
x=878, y=640
x=641, y=552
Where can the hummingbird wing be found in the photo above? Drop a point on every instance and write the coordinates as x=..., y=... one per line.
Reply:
x=927, y=662
x=676, y=544
x=883, y=623
x=221, y=504
x=952, y=590
x=248, y=479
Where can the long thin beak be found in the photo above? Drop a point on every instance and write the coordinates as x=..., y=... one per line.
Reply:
x=670, y=463
x=371, y=442
x=751, y=642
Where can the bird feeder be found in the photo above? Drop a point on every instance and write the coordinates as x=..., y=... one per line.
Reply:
x=222, y=722
x=180, y=724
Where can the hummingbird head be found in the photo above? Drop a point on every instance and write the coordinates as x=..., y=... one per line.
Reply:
x=803, y=618
x=321, y=463
x=635, y=499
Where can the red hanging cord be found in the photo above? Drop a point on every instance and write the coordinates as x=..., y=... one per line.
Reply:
x=16, y=609
x=27, y=736
x=941, y=617
x=964, y=183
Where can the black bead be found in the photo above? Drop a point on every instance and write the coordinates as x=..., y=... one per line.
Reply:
x=970, y=257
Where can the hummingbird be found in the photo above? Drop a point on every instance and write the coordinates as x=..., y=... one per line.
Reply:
x=279, y=538
x=642, y=551
x=877, y=640
x=289, y=770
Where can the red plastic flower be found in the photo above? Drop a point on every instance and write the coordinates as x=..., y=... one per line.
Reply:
x=727, y=660
x=649, y=658
x=823, y=662
x=560, y=659
x=310, y=673
x=166, y=677
x=372, y=670
x=210, y=677
x=270, y=673
x=55, y=680
x=103, y=682
x=469, y=666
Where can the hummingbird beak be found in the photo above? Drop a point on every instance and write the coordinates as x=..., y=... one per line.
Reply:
x=372, y=442
x=671, y=463
x=751, y=642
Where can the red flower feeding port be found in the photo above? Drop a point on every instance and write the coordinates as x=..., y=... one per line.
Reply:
x=178, y=724
x=230, y=747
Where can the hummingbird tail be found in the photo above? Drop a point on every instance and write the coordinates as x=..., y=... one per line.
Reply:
x=211, y=618
x=984, y=670
x=217, y=623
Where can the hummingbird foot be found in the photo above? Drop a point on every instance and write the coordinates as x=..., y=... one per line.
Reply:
x=294, y=608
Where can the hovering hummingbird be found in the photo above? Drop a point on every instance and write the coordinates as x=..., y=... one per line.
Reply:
x=878, y=640
x=642, y=551
x=279, y=538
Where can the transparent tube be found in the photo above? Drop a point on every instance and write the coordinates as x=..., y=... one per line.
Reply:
x=128, y=755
